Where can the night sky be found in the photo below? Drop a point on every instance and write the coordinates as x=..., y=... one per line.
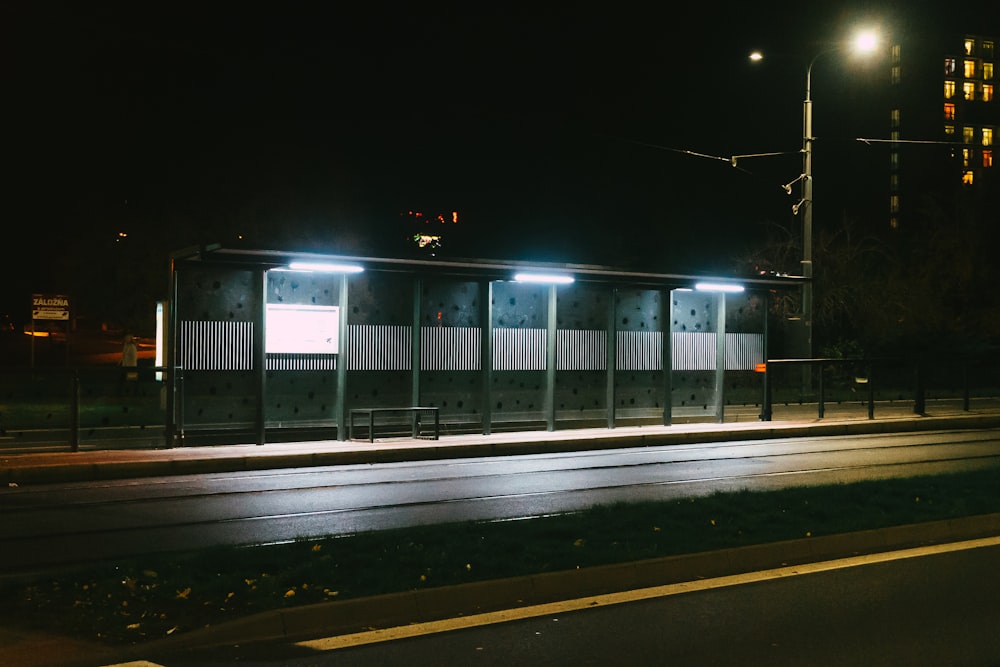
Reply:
x=556, y=134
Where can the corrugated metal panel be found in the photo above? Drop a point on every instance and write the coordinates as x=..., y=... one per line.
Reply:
x=696, y=351
x=519, y=349
x=380, y=347
x=744, y=351
x=301, y=362
x=639, y=351
x=581, y=350
x=207, y=345
x=450, y=348
x=693, y=351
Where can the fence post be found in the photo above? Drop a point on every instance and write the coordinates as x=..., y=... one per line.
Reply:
x=920, y=398
x=765, y=414
x=74, y=397
x=871, y=392
x=179, y=434
x=965, y=385
x=822, y=395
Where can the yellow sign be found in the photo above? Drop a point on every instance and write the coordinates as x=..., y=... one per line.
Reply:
x=49, y=307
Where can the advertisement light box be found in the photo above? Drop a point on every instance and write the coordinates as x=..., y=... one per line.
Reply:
x=300, y=329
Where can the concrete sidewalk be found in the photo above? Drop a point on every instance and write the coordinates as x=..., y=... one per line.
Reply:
x=789, y=421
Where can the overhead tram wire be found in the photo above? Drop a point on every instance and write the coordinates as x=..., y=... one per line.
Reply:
x=732, y=160
x=908, y=141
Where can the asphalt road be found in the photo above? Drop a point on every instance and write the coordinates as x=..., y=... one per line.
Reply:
x=58, y=525
x=930, y=606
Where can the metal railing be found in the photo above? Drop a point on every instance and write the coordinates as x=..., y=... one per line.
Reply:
x=55, y=408
x=867, y=380
x=100, y=407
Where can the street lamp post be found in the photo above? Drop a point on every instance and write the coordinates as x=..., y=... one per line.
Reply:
x=864, y=42
x=806, y=208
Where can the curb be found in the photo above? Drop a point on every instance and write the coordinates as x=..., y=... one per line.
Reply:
x=397, y=609
x=164, y=463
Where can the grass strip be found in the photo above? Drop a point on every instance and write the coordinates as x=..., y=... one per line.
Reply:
x=139, y=599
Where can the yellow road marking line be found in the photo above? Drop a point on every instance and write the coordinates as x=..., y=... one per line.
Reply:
x=562, y=607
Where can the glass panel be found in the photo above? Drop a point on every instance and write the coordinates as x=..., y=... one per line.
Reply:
x=582, y=314
x=520, y=326
x=639, y=391
x=694, y=352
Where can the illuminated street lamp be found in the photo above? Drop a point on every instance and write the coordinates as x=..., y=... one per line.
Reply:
x=864, y=43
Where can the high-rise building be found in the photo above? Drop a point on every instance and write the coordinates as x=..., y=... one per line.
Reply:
x=943, y=119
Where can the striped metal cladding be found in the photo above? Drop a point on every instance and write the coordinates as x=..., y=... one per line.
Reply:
x=581, y=350
x=301, y=362
x=639, y=350
x=451, y=348
x=206, y=345
x=693, y=351
x=380, y=347
x=228, y=346
x=744, y=351
x=519, y=349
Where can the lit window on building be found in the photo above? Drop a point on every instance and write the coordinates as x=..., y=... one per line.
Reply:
x=967, y=134
x=894, y=160
x=896, y=74
x=894, y=204
x=896, y=53
x=988, y=71
x=949, y=89
x=949, y=66
x=967, y=177
x=987, y=136
x=987, y=158
x=968, y=91
x=894, y=222
x=894, y=117
x=894, y=181
x=949, y=111
x=987, y=92
x=969, y=68
x=949, y=129
x=987, y=47
x=966, y=157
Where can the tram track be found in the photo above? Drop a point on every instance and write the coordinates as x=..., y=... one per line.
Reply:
x=126, y=518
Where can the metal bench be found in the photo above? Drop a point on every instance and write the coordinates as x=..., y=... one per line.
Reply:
x=415, y=413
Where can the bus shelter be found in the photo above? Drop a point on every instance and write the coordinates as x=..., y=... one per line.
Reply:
x=283, y=345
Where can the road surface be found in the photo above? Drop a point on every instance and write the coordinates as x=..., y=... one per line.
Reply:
x=65, y=524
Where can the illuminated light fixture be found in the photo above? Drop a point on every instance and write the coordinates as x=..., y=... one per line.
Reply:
x=325, y=267
x=543, y=278
x=719, y=287
x=865, y=41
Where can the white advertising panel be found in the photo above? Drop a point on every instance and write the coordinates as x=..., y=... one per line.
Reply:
x=301, y=329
